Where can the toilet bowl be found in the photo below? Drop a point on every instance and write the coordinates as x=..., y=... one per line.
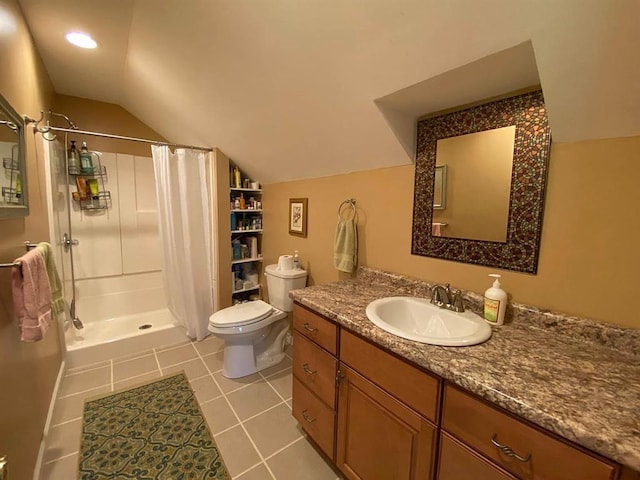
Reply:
x=254, y=332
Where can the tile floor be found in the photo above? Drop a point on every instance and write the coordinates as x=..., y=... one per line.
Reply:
x=250, y=418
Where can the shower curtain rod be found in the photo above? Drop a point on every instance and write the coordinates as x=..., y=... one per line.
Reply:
x=132, y=139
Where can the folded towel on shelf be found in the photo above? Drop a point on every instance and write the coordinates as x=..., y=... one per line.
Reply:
x=345, y=254
x=55, y=285
x=31, y=296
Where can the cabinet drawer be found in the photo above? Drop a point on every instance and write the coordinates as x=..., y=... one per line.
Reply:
x=314, y=416
x=457, y=462
x=313, y=326
x=412, y=386
x=477, y=423
x=315, y=368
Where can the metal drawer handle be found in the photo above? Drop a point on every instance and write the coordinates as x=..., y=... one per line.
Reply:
x=507, y=450
x=307, y=417
x=307, y=370
x=306, y=326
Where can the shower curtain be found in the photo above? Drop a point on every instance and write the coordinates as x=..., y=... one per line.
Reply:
x=185, y=236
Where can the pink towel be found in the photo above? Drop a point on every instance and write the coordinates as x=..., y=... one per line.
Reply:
x=436, y=231
x=31, y=296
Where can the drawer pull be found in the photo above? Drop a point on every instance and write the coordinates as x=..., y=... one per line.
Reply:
x=507, y=450
x=309, y=328
x=307, y=370
x=306, y=416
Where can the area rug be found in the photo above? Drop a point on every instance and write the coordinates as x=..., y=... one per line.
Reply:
x=153, y=431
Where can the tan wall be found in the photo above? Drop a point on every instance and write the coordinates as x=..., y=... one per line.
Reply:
x=27, y=371
x=589, y=256
x=94, y=116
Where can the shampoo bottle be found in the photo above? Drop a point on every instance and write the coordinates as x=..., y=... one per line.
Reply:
x=86, y=162
x=74, y=159
x=495, y=302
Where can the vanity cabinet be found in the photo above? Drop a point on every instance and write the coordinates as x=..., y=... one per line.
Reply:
x=379, y=417
x=499, y=437
x=314, y=377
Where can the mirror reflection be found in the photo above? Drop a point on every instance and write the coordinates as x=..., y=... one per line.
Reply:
x=12, y=174
x=479, y=184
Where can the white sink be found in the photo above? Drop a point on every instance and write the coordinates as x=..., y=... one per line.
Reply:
x=417, y=319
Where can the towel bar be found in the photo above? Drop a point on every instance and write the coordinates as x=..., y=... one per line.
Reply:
x=350, y=202
x=28, y=246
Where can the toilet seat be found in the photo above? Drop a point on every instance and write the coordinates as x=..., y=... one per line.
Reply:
x=241, y=315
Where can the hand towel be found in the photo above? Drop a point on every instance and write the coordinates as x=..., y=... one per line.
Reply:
x=345, y=254
x=31, y=296
x=55, y=285
x=436, y=231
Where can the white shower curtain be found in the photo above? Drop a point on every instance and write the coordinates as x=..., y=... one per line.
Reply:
x=185, y=235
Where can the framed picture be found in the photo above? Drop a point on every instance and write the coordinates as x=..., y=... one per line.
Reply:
x=298, y=217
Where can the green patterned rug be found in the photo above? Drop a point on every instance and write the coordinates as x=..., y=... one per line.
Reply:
x=154, y=431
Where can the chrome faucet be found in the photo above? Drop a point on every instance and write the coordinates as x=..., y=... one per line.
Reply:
x=443, y=297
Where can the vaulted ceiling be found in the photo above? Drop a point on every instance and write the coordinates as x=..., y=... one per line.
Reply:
x=288, y=88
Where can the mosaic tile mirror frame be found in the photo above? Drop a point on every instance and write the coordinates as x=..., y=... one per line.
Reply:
x=528, y=182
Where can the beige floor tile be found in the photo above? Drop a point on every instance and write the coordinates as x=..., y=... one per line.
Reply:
x=193, y=369
x=71, y=407
x=230, y=384
x=84, y=368
x=300, y=461
x=213, y=361
x=176, y=355
x=136, y=381
x=236, y=450
x=257, y=473
x=205, y=389
x=284, y=364
x=218, y=415
x=209, y=345
x=135, y=367
x=282, y=382
x=65, y=469
x=171, y=346
x=79, y=382
x=273, y=430
x=124, y=358
x=253, y=399
x=63, y=440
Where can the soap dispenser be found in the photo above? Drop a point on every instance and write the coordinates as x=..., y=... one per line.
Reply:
x=495, y=302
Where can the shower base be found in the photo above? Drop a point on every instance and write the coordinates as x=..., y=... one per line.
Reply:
x=126, y=335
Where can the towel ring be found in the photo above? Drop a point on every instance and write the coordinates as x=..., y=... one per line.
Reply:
x=349, y=203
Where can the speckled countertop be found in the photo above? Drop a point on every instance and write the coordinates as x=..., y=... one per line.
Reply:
x=574, y=377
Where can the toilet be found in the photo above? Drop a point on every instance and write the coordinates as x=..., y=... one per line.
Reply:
x=254, y=332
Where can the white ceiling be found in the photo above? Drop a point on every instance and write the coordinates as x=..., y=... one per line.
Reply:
x=287, y=87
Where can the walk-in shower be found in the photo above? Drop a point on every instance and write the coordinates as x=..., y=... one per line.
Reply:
x=107, y=248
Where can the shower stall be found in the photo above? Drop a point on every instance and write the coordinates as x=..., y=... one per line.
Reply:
x=107, y=248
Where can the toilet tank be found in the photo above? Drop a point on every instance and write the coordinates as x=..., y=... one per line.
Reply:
x=280, y=283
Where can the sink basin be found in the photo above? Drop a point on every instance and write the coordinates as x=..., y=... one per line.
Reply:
x=417, y=319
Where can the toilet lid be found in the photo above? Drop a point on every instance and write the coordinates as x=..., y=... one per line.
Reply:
x=241, y=314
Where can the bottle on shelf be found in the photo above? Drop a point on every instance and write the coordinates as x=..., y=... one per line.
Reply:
x=86, y=162
x=74, y=158
x=237, y=177
x=243, y=204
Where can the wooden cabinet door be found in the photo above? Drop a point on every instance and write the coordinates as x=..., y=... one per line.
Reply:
x=380, y=438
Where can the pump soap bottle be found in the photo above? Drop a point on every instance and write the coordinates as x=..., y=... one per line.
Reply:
x=86, y=162
x=495, y=302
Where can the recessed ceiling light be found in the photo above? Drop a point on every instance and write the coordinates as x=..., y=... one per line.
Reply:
x=81, y=40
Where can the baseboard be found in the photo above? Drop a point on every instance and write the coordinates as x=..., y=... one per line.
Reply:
x=47, y=424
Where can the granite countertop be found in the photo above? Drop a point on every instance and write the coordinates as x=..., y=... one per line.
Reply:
x=576, y=378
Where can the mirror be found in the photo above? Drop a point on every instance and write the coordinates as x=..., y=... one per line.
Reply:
x=13, y=193
x=496, y=158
